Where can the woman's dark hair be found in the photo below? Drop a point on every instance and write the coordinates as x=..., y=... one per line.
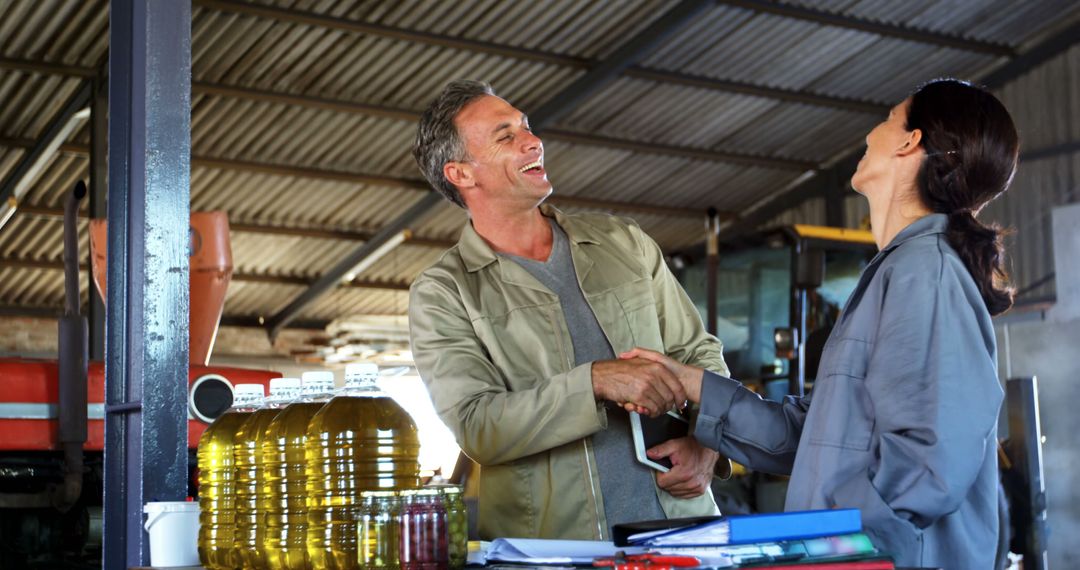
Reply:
x=971, y=148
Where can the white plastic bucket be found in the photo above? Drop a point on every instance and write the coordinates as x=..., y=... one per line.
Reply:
x=174, y=533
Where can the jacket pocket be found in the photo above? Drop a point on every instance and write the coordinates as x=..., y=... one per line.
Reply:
x=843, y=403
x=638, y=307
x=523, y=344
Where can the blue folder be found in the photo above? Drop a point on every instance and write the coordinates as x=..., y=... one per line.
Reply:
x=746, y=529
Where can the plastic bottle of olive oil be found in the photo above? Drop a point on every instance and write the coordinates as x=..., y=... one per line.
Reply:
x=361, y=440
x=217, y=491
x=285, y=473
x=248, y=457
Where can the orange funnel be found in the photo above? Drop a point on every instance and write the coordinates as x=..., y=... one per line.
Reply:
x=211, y=271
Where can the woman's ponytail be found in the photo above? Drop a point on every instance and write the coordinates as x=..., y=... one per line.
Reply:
x=971, y=152
x=983, y=252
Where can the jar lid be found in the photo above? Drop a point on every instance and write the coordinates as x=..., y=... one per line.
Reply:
x=378, y=493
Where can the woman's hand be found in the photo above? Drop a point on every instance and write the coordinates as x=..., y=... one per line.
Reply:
x=689, y=376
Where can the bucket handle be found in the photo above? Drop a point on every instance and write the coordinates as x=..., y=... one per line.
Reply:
x=152, y=518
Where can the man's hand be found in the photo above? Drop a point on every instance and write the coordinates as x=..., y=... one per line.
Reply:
x=637, y=384
x=689, y=376
x=691, y=467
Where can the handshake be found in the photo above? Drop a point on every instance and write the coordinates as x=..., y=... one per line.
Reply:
x=646, y=382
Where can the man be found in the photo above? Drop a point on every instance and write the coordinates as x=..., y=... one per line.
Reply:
x=517, y=328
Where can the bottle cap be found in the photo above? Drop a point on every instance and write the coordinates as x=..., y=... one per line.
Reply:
x=248, y=394
x=361, y=373
x=317, y=382
x=284, y=389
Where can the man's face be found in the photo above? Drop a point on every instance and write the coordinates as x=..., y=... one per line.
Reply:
x=506, y=161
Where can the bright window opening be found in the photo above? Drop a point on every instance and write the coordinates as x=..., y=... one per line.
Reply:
x=438, y=448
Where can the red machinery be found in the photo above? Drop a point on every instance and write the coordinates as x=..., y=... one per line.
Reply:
x=52, y=411
x=28, y=409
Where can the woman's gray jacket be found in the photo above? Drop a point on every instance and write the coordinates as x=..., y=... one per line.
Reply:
x=902, y=419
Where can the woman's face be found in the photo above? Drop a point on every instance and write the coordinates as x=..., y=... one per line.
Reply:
x=887, y=143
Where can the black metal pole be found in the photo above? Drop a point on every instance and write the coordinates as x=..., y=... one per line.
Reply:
x=797, y=372
x=146, y=350
x=712, y=265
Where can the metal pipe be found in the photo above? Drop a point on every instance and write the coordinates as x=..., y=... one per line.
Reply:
x=72, y=364
x=71, y=249
x=74, y=348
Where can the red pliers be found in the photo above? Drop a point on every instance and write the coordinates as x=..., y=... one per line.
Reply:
x=622, y=561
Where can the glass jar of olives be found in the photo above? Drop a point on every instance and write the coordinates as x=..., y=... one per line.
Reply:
x=457, y=523
x=423, y=531
x=377, y=530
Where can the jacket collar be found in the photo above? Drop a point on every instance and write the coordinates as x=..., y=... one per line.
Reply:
x=924, y=226
x=477, y=254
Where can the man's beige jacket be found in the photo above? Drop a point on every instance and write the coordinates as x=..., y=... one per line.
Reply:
x=493, y=348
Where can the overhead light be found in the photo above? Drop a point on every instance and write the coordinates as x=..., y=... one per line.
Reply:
x=7, y=210
x=376, y=255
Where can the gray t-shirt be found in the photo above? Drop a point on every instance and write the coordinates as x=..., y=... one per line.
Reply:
x=629, y=493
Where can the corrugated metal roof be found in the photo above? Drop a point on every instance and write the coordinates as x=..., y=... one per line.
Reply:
x=998, y=21
x=285, y=163
x=1040, y=185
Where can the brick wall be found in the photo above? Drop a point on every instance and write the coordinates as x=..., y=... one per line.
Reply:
x=25, y=336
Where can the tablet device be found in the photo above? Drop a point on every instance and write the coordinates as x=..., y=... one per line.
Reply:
x=649, y=432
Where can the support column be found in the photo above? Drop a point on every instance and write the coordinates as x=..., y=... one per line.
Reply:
x=146, y=350
x=712, y=267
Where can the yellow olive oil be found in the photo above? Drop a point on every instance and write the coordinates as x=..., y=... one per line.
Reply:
x=361, y=440
x=251, y=507
x=285, y=475
x=217, y=481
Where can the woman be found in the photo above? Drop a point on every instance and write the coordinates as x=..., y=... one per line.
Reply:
x=905, y=405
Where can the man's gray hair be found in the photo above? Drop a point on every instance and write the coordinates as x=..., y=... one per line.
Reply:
x=437, y=139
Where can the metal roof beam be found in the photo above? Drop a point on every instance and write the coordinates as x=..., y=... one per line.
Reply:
x=357, y=27
x=245, y=321
x=317, y=232
x=46, y=68
x=1051, y=151
x=636, y=72
x=49, y=265
x=26, y=171
x=682, y=151
x=550, y=134
x=624, y=56
x=740, y=88
x=811, y=185
x=391, y=182
x=563, y=102
x=340, y=106
x=312, y=19
x=888, y=30
x=333, y=278
x=1032, y=58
